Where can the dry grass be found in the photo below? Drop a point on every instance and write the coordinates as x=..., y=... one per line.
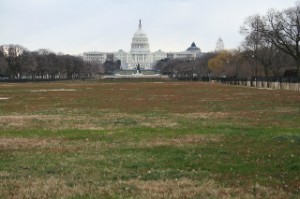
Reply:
x=203, y=115
x=181, y=141
x=60, y=122
x=17, y=143
x=186, y=188
x=53, y=187
x=286, y=110
x=158, y=122
x=36, y=188
x=135, y=119
x=53, y=90
x=49, y=122
x=55, y=144
x=105, y=121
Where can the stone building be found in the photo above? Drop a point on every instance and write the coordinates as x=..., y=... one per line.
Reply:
x=140, y=54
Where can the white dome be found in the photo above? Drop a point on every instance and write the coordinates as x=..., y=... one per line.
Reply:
x=140, y=34
x=140, y=41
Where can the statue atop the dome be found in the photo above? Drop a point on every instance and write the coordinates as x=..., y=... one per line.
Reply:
x=140, y=24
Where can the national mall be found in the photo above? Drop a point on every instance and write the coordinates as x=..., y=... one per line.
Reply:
x=140, y=53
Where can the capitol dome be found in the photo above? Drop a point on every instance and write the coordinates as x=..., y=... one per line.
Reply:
x=140, y=34
x=140, y=41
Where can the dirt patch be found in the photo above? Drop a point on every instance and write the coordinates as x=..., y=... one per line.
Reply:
x=4, y=174
x=40, y=188
x=54, y=187
x=159, y=123
x=53, y=90
x=286, y=109
x=203, y=115
x=181, y=141
x=15, y=121
x=105, y=121
x=186, y=188
x=4, y=98
x=47, y=122
x=26, y=143
x=183, y=188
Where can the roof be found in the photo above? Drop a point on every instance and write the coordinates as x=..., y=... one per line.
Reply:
x=193, y=47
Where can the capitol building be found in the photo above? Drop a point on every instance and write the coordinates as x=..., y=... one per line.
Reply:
x=140, y=53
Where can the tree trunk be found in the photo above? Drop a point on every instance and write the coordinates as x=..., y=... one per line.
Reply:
x=298, y=67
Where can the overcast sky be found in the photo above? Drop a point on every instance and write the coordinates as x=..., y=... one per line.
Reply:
x=76, y=26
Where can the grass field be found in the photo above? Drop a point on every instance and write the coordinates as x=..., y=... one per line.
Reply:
x=148, y=140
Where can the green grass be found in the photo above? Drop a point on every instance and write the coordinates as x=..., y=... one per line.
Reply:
x=148, y=140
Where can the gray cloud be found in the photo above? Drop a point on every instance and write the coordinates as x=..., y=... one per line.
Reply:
x=74, y=26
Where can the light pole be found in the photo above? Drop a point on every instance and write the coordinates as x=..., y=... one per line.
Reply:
x=255, y=65
x=236, y=70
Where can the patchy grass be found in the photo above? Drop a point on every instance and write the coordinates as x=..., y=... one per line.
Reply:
x=148, y=140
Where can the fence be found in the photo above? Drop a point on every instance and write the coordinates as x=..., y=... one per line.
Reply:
x=293, y=86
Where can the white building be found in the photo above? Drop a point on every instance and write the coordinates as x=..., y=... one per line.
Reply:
x=219, y=45
x=140, y=53
x=97, y=57
x=12, y=50
x=122, y=56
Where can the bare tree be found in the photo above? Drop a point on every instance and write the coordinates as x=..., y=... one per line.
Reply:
x=13, y=56
x=254, y=40
x=282, y=29
x=28, y=65
x=267, y=55
x=3, y=65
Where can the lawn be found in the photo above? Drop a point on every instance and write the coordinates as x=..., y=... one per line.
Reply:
x=89, y=139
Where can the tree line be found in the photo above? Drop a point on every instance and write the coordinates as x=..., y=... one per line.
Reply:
x=270, y=49
x=17, y=63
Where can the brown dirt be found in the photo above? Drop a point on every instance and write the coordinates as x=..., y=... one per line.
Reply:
x=186, y=188
x=181, y=141
x=286, y=109
x=107, y=121
x=202, y=115
x=17, y=143
x=37, y=188
x=54, y=187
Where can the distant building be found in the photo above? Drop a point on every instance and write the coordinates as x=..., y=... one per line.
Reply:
x=220, y=45
x=140, y=53
x=12, y=50
x=97, y=57
x=192, y=53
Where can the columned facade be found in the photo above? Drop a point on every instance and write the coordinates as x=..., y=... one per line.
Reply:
x=140, y=51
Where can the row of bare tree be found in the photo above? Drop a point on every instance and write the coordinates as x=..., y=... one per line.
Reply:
x=180, y=68
x=270, y=47
x=17, y=63
x=227, y=63
x=272, y=36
